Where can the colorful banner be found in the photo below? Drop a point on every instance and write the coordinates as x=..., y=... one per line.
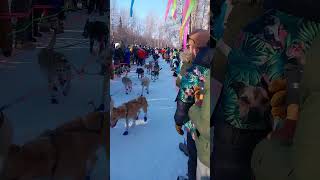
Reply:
x=186, y=35
x=185, y=9
x=167, y=9
x=187, y=16
x=174, y=9
x=131, y=8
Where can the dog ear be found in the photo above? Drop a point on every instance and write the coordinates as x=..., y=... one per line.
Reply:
x=238, y=87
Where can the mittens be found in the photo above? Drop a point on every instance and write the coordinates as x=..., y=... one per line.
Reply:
x=280, y=110
x=287, y=131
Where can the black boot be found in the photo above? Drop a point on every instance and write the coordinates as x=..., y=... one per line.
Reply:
x=54, y=101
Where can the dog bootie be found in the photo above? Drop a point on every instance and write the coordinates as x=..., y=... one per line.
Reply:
x=54, y=101
x=87, y=177
x=145, y=119
x=125, y=133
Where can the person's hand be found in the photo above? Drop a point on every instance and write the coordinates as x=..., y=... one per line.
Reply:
x=179, y=130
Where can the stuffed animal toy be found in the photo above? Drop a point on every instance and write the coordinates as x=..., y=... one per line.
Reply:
x=277, y=89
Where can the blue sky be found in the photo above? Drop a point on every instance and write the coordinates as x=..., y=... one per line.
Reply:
x=141, y=8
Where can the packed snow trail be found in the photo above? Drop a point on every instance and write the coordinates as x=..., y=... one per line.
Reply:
x=21, y=75
x=150, y=151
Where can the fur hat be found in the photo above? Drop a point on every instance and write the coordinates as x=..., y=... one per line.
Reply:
x=199, y=38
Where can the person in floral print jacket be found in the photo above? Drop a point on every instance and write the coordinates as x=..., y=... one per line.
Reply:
x=190, y=91
x=267, y=50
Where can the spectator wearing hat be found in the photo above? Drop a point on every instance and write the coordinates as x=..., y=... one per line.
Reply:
x=192, y=91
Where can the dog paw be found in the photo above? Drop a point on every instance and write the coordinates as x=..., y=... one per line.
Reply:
x=145, y=119
x=54, y=101
x=64, y=93
x=125, y=133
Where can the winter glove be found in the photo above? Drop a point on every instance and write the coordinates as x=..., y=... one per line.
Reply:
x=179, y=130
x=287, y=131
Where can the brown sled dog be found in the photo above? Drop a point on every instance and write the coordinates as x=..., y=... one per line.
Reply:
x=57, y=68
x=126, y=81
x=63, y=152
x=129, y=110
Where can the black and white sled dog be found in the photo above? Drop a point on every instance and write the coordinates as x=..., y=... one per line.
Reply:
x=140, y=72
x=155, y=72
x=96, y=31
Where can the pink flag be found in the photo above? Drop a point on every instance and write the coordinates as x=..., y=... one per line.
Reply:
x=185, y=9
x=186, y=29
x=167, y=9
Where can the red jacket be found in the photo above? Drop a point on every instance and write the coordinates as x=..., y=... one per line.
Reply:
x=142, y=54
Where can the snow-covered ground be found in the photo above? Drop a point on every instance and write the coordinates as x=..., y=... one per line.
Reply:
x=20, y=75
x=150, y=151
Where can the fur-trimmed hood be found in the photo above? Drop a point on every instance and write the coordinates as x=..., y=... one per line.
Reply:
x=186, y=56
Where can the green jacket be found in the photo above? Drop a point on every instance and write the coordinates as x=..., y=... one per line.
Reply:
x=200, y=117
x=306, y=145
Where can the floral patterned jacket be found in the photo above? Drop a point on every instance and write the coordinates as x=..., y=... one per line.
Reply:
x=194, y=79
x=268, y=49
x=192, y=83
